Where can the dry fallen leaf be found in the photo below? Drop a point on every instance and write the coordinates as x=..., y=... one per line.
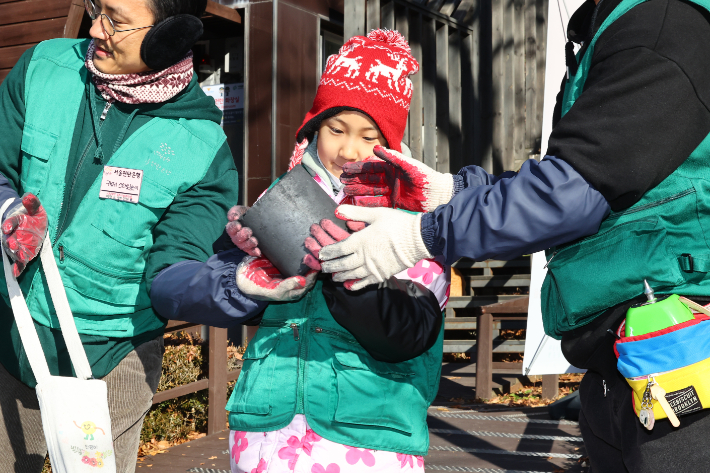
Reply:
x=212, y=458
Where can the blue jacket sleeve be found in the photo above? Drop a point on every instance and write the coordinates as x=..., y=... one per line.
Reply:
x=543, y=205
x=474, y=176
x=204, y=293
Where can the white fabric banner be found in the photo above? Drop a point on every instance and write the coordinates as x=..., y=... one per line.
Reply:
x=542, y=353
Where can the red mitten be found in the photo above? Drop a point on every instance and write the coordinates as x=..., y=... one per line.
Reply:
x=325, y=234
x=240, y=235
x=397, y=181
x=259, y=279
x=23, y=232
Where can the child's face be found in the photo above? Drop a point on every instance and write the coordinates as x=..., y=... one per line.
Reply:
x=347, y=137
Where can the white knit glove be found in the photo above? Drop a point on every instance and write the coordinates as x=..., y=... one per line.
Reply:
x=398, y=182
x=260, y=280
x=390, y=244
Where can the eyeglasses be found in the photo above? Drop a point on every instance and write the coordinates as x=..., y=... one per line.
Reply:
x=106, y=22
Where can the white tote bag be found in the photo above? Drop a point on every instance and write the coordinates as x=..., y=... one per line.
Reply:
x=75, y=415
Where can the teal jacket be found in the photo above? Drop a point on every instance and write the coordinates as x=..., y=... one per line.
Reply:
x=185, y=159
x=661, y=238
x=302, y=361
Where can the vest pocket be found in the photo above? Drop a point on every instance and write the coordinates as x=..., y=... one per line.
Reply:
x=596, y=273
x=37, y=147
x=130, y=224
x=375, y=394
x=252, y=394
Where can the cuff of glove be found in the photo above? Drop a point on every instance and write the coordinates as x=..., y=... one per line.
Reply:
x=11, y=208
x=459, y=184
x=421, y=249
x=429, y=229
x=441, y=192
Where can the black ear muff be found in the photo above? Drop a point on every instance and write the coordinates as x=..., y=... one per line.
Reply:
x=169, y=41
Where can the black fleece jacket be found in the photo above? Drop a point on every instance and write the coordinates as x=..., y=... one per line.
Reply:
x=644, y=109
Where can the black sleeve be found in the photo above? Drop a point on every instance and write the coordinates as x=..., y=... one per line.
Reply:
x=394, y=321
x=644, y=106
x=223, y=243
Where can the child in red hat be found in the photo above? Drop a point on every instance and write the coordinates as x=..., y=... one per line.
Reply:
x=336, y=380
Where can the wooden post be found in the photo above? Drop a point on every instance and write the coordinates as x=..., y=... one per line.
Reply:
x=497, y=87
x=508, y=157
x=401, y=24
x=484, y=356
x=550, y=386
x=429, y=90
x=354, y=13
x=217, y=385
x=415, y=108
x=455, y=102
x=373, y=15
x=540, y=54
x=76, y=14
x=519, y=148
x=531, y=124
x=387, y=15
x=442, y=99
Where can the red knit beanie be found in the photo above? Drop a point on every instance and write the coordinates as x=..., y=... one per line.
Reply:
x=370, y=74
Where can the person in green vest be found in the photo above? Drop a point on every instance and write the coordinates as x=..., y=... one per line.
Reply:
x=337, y=380
x=620, y=196
x=120, y=157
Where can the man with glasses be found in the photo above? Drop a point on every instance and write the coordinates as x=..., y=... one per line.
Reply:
x=119, y=156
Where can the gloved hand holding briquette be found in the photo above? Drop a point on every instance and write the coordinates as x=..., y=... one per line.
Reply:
x=397, y=182
x=23, y=232
x=240, y=235
x=390, y=244
x=259, y=279
x=327, y=233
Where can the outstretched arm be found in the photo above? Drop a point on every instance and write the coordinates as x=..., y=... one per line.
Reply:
x=543, y=205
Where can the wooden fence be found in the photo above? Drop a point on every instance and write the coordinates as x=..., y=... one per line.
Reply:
x=481, y=80
x=217, y=376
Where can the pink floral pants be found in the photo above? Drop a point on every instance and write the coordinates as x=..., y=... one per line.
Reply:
x=296, y=448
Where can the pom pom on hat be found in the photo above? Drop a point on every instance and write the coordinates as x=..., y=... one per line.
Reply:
x=370, y=74
x=391, y=37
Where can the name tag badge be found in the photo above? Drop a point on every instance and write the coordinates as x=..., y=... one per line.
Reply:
x=121, y=184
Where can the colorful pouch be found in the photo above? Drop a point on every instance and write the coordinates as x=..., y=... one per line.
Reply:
x=669, y=369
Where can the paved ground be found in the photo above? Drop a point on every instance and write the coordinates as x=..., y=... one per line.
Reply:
x=474, y=438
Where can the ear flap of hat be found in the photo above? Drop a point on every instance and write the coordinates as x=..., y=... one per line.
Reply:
x=170, y=40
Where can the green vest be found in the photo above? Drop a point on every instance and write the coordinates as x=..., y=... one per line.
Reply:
x=102, y=253
x=301, y=361
x=663, y=238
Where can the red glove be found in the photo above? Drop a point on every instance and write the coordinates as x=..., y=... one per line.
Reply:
x=240, y=235
x=325, y=234
x=23, y=232
x=397, y=181
x=259, y=279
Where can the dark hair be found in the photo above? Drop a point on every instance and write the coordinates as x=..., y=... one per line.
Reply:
x=309, y=129
x=163, y=9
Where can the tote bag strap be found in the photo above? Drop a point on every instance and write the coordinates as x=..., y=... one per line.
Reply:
x=25, y=324
x=61, y=305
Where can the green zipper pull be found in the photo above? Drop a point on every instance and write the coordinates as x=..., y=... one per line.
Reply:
x=294, y=327
x=61, y=254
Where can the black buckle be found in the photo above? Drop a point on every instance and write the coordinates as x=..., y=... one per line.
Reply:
x=690, y=262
